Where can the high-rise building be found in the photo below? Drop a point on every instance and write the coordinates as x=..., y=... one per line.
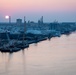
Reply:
x=19, y=21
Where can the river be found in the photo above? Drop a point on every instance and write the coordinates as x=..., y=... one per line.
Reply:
x=51, y=57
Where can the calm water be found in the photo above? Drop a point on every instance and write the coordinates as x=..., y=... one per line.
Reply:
x=54, y=57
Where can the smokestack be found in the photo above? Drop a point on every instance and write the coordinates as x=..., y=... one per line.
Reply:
x=9, y=19
x=24, y=19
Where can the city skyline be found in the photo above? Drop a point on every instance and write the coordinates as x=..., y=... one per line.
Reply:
x=60, y=10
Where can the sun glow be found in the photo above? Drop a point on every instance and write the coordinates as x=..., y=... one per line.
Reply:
x=6, y=17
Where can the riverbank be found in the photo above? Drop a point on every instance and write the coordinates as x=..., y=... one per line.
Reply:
x=14, y=45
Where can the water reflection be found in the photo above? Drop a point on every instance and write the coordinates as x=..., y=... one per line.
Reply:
x=24, y=62
x=8, y=63
x=54, y=57
x=5, y=63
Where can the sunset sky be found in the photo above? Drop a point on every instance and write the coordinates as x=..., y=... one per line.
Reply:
x=62, y=10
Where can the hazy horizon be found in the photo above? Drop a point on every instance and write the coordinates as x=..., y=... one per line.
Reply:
x=61, y=10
